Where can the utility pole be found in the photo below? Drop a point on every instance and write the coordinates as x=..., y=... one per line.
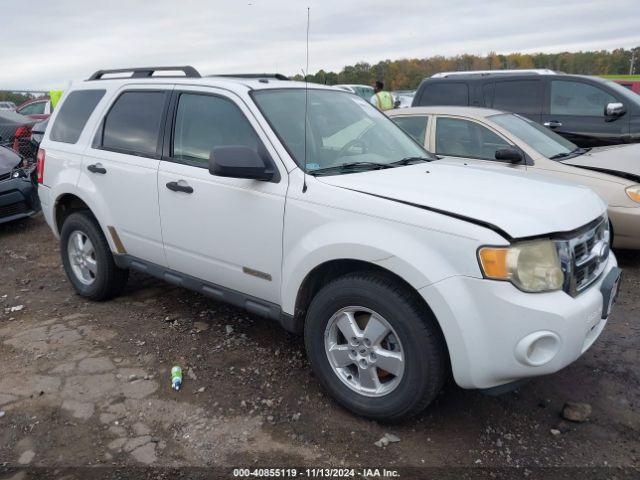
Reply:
x=633, y=61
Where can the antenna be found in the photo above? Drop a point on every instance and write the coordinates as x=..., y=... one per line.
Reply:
x=306, y=107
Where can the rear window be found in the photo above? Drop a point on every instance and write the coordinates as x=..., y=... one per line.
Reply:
x=445, y=93
x=133, y=123
x=518, y=96
x=73, y=115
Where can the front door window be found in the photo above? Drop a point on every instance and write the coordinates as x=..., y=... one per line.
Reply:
x=456, y=137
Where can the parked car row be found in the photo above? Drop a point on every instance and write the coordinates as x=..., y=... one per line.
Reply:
x=21, y=130
x=305, y=204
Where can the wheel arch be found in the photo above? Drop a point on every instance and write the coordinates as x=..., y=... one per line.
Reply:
x=67, y=203
x=329, y=270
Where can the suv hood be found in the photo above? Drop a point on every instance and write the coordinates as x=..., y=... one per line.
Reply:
x=618, y=160
x=517, y=203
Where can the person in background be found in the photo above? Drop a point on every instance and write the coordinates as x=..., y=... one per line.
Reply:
x=54, y=97
x=382, y=99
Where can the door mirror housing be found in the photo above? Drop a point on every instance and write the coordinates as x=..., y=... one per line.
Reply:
x=240, y=162
x=511, y=155
x=614, y=110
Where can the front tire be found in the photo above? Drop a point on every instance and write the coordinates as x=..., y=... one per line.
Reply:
x=87, y=259
x=375, y=347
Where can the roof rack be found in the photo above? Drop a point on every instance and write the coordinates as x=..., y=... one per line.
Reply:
x=277, y=76
x=536, y=71
x=146, y=72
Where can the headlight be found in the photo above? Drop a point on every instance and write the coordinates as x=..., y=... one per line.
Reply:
x=634, y=192
x=19, y=173
x=532, y=266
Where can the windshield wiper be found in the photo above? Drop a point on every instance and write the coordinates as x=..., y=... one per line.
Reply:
x=346, y=167
x=573, y=153
x=411, y=160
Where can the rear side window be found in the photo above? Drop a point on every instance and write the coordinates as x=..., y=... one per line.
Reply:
x=518, y=96
x=204, y=122
x=577, y=98
x=416, y=126
x=73, y=115
x=133, y=123
x=445, y=93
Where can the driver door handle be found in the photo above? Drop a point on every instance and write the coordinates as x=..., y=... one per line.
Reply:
x=552, y=124
x=179, y=187
x=97, y=168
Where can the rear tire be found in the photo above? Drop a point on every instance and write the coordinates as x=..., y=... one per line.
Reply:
x=87, y=259
x=414, y=344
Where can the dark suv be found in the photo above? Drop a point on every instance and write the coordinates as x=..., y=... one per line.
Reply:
x=589, y=111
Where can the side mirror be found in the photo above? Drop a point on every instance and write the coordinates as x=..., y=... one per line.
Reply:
x=239, y=162
x=614, y=109
x=511, y=155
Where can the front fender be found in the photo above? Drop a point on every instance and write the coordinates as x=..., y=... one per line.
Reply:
x=416, y=255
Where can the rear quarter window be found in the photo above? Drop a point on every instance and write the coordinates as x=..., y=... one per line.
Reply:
x=73, y=115
x=445, y=93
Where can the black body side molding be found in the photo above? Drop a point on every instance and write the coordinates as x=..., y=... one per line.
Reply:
x=251, y=304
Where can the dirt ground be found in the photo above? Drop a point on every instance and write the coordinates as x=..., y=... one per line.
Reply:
x=87, y=384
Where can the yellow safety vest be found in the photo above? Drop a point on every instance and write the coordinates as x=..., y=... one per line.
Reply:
x=384, y=100
x=54, y=96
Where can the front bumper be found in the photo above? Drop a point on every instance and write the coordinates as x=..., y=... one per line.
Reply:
x=18, y=199
x=626, y=227
x=497, y=334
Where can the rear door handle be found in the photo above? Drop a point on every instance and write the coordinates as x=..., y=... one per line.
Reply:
x=97, y=168
x=552, y=124
x=177, y=187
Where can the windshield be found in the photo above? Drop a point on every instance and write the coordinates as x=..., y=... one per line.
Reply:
x=342, y=128
x=546, y=142
x=623, y=91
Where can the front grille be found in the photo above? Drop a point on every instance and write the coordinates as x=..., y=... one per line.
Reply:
x=585, y=256
x=5, y=176
x=13, y=209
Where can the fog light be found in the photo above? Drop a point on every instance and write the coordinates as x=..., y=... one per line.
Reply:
x=537, y=349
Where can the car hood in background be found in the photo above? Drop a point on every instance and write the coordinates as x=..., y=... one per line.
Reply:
x=619, y=160
x=520, y=204
x=12, y=118
x=8, y=160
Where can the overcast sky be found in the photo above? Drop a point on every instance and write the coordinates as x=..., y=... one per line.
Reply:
x=46, y=44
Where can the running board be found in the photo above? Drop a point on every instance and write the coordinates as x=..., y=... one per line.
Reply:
x=217, y=292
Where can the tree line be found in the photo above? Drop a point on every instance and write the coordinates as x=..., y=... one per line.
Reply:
x=16, y=97
x=406, y=74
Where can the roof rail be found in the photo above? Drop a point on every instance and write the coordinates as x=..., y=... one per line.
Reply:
x=277, y=76
x=536, y=71
x=146, y=72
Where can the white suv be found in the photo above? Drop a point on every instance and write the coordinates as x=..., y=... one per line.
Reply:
x=310, y=207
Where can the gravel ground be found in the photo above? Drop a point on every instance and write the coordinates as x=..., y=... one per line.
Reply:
x=87, y=384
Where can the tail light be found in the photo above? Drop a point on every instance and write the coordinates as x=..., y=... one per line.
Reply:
x=40, y=167
x=23, y=134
